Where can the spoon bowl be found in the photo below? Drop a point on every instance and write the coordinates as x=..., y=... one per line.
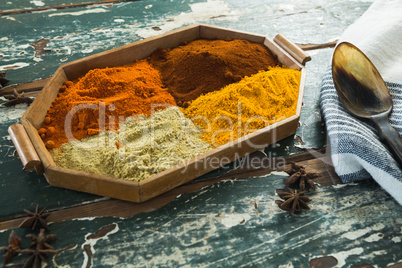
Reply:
x=363, y=92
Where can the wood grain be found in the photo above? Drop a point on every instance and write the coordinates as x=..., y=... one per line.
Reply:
x=23, y=145
x=292, y=49
x=120, y=208
x=28, y=10
x=33, y=86
x=317, y=46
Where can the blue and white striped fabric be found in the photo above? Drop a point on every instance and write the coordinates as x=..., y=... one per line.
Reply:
x=357, y=153
x=356, y=150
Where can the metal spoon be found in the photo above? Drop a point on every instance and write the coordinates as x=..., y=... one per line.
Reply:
x=363, y=92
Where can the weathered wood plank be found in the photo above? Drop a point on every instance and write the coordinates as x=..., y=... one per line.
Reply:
x=28, y=10
x=33, y=86
x=317, y=46
x=236, y=222
x=119, y=208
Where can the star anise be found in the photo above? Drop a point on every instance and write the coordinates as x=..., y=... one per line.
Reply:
x=3, y=79
x=298, y=175
x=35, y=219
x=294, y=200
x=16, y=98
x=42, y=240
x=41, y=249
x=14, y=242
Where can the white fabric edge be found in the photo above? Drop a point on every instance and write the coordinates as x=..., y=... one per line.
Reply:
x=350, y=163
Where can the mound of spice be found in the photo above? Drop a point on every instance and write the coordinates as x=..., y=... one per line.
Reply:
x=203, y=66
x=95, y=102
x=246, y=106
x=143, y=146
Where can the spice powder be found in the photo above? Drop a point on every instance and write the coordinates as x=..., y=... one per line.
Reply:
x=236, y=86
x=202, y=66
x=246, y=106
x=103, y=94
x=143, y=146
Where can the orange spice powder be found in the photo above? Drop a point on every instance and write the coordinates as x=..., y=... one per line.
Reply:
x=95, y=101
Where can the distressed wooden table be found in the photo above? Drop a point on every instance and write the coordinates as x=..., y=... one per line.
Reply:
x=227, y=218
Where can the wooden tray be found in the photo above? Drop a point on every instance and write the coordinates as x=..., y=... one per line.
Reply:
x=34, y=154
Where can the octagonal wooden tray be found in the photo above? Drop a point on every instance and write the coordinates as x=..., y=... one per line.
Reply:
x=34, y=154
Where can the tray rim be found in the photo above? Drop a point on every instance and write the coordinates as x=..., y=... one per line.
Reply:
x=151, y=187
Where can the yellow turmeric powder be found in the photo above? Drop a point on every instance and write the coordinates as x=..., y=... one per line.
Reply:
x=246, y=106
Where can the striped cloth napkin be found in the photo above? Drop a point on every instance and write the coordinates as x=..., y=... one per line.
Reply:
x=356, y=150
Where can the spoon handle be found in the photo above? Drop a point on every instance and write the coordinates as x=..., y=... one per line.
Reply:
x=390, y=136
